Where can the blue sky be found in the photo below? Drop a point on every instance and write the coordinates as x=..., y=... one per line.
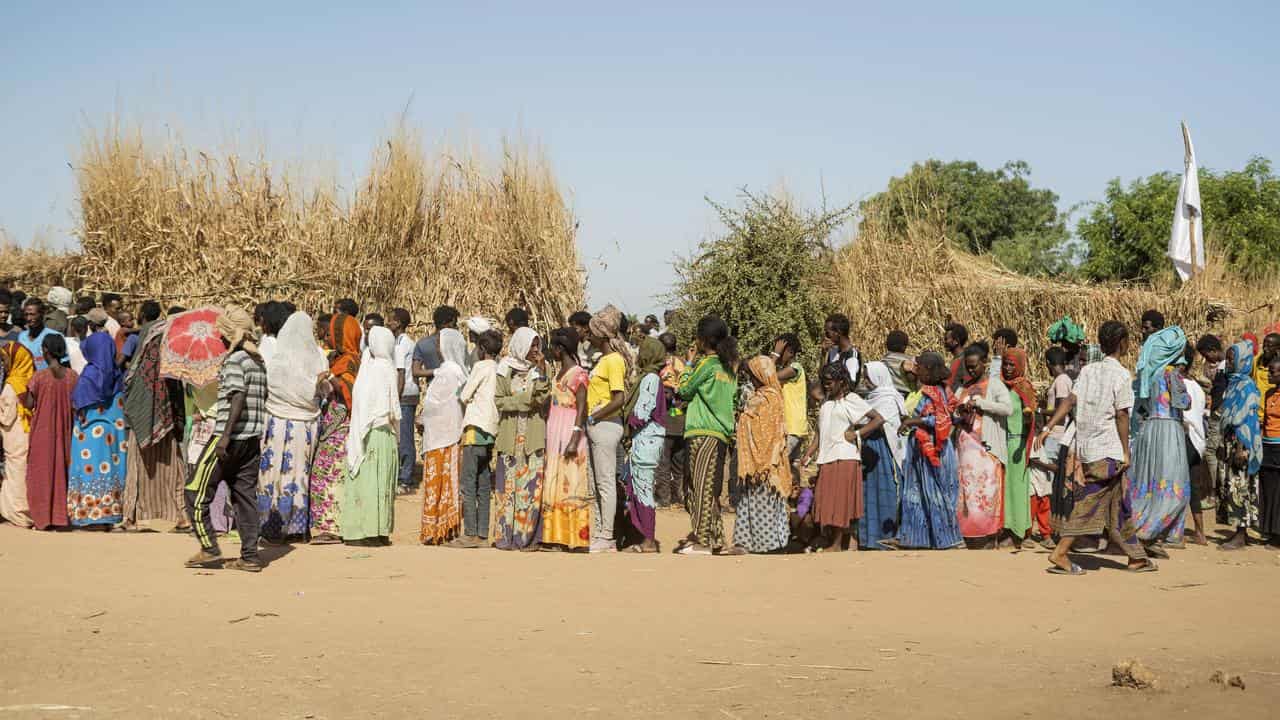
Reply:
x=646, y=110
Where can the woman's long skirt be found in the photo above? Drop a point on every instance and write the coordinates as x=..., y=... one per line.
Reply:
x=441, y=514
x=368, y=500
x=837, y=500
x=99, y=458
x=329, y=472
x=929, y=495
x=706, y=476
x=880, y=479
x=980, y=510
x=284, y=478
x=154, y=482
x=518, y=487
x=760, y=522
x=14, y=507
x=1160, y=480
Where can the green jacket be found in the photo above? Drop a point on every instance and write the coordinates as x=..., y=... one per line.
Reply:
x=512, y=405
x=711, y=392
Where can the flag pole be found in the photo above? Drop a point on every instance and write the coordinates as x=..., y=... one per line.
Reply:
x=1186, y=166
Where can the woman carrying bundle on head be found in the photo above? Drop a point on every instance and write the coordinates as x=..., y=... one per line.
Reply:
x=647, y=417
x=761, y=520
x=566, y=489
x=341, y=336
x=930, y=480
x=708, y=384
x=522, y=389
x=373, y=449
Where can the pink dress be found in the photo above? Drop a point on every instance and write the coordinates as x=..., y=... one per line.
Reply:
x=980, y=509
x=566, y=486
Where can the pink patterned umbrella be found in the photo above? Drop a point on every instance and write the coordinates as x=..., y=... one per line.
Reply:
x=192, y=350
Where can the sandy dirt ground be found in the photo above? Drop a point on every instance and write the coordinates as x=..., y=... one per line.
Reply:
x=111, y=625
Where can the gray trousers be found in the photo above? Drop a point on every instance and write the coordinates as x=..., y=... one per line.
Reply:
x=605, y=437
x=477, y=487
x=1212, y=464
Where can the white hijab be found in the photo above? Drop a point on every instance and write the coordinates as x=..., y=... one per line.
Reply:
x=453, y=346
x=375, y=399
x=887, y=401
x=517, y=359
x=293, y=370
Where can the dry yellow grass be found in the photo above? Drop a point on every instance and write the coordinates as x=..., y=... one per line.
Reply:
x=421, y=230
x=918, y=280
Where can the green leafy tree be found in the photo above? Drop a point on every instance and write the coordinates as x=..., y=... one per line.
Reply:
x=763, y=275
x=1126, y=234
x=985, y=210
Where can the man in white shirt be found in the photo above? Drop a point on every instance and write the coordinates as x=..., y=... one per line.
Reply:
x=398, y=323
x=1102, y=398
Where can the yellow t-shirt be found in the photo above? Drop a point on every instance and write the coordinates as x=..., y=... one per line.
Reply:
x=609, y=374
x=795, y=403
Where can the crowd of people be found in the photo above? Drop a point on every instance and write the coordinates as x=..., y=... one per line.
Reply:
x=571, y=441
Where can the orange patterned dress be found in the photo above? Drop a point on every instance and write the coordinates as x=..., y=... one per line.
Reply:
x=566, y=485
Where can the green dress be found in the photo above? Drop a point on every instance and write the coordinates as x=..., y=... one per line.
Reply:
x=1017, y=478
x=368, y=502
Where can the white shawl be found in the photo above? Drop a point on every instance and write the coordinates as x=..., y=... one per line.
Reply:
x=293, y=370
x=887, y=401
x=441, y=416
x=375, y=400
x=517, y=359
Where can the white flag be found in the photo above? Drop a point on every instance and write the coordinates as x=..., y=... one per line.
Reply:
x=1188, y=220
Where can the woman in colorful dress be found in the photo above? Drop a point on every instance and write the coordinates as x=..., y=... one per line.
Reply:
x=328, y=469
x=647, y=418
x=521, y=442
x=1024, y=403
x=981, y=450
x=96, y=476
x=1242, y=447
x=761, y=523
x=709, y=384
x=154, y=415
x=881, y=468
x=49, y=399
x=373, y=450
x=930, y=479
x=17, y=367
x=1160, y=482
x=566, y=487
x=294, y=373
x=441, y=418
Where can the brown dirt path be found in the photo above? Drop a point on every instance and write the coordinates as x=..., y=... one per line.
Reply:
x=114, y=624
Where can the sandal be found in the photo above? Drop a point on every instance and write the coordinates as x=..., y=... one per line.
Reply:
x=1058, y=570
x=1158, y=552
x=1145, y=567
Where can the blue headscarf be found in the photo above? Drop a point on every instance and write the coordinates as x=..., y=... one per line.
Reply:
x=1240, y=404
x=101, y=380
x=1164, y=348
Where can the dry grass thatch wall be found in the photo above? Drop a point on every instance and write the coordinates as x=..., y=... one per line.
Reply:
x=421, y=230
x=918, y=281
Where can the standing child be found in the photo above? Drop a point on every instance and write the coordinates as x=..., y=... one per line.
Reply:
x=1045, y=459
x=839, y=499
x=479, y=425
x=794, y=386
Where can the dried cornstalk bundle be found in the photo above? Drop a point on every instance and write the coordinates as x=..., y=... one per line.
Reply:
x=185, y=227
x=918, y=280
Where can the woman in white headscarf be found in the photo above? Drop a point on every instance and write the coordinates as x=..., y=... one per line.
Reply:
x=881, y=461
x=441, y=420
x=294, y=374
x=521, y=394
x=373, y=458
